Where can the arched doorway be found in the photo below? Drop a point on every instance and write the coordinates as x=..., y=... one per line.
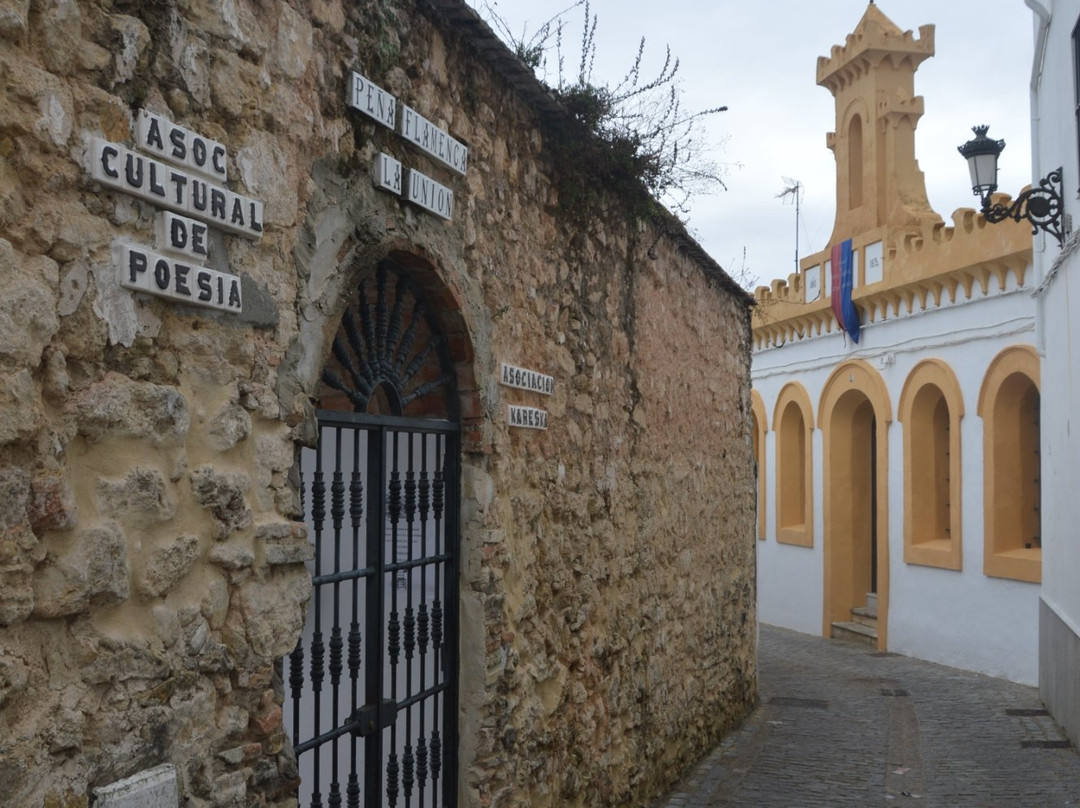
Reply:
x=854, y=418
x=372, y=686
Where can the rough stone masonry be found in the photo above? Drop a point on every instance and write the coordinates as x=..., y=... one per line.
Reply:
x=151, y=549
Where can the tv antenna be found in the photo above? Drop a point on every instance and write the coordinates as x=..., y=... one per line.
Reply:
x=793, y=190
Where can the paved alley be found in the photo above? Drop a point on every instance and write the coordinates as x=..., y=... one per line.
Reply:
x=844, y=725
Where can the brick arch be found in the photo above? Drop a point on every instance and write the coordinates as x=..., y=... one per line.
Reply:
x=446, y=303
x=320, y=318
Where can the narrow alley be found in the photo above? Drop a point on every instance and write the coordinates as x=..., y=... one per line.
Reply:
x=841, y=724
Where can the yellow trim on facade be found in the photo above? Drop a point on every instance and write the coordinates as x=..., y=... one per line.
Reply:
x=854, y=398
x=759, y=427
x=1009, y=460
x=932, y=466
x=924, y=266
x=794, y=452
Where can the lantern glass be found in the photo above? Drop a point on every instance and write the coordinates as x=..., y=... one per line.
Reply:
x=983, y=168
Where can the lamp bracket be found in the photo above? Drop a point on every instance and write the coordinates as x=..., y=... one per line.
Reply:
x=1042, y=207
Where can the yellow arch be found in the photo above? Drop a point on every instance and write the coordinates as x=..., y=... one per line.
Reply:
x=1005, y=553
x=1014, y=359
x=923, y=494
x=856, y=374
x=760, y=427
x=794, y=467
x=853, y=399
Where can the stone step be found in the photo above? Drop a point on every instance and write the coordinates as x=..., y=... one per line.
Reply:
x=863, y=616
x=854, y=632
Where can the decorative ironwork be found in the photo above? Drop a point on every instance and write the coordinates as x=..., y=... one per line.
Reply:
x=436, y=757
x=375, y=347
x=407, y=763
x=374, y=721
x=379, y=731
x=392, y=771
x=1042, y=207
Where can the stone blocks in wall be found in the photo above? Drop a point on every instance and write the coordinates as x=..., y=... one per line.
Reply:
x=93, y=571
x=167, y=565
x=13, y=18
x=223, y=495
x=150, y=568
x=28, y=302
x=119, y=407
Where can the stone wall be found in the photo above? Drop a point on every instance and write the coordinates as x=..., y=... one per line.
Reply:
x=151, y=561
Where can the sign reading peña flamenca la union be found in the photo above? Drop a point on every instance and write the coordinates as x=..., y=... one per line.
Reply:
x=387, y=172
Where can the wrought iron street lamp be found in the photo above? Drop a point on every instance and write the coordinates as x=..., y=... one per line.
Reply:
x=1042, y=206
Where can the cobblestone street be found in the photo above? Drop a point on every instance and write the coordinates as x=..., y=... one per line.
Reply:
x=842, y=725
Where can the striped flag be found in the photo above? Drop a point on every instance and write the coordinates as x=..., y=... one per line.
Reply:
x=842, y=282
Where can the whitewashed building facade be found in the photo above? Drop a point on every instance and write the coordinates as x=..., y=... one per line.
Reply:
x=1055, y=144
x=901, y=468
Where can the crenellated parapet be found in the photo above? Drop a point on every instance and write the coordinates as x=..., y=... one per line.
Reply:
x=875, y=39
x=922, y=267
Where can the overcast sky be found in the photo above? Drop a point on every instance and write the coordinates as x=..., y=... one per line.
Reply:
x=760, y=58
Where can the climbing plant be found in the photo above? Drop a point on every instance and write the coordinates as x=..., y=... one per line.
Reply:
x=632, y=138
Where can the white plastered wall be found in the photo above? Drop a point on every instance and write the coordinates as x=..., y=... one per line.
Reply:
x=960, y=618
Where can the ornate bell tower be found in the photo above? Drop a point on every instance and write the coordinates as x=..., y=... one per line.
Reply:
x=872, y=78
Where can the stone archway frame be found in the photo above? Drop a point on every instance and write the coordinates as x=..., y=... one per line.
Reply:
x=339, y=254
x=859, y=377
x=321, y=312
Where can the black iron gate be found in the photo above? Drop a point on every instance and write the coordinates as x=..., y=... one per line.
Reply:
x=372, y=684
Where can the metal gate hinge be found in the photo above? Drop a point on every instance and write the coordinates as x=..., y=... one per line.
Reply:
x=372, y=718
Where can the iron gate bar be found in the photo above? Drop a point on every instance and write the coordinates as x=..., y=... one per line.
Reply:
x=326, y=737
x=408, y=761
x=344, y=575
x=376, y=518
x=394, y=626
x=418, y=697
x=356, y=513
x=416, y=563
x=337, y=514
x=318, y=514
x=396, y=423
x=422, y=751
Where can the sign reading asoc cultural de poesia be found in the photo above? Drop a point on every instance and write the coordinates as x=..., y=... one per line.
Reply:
x=188, y=182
